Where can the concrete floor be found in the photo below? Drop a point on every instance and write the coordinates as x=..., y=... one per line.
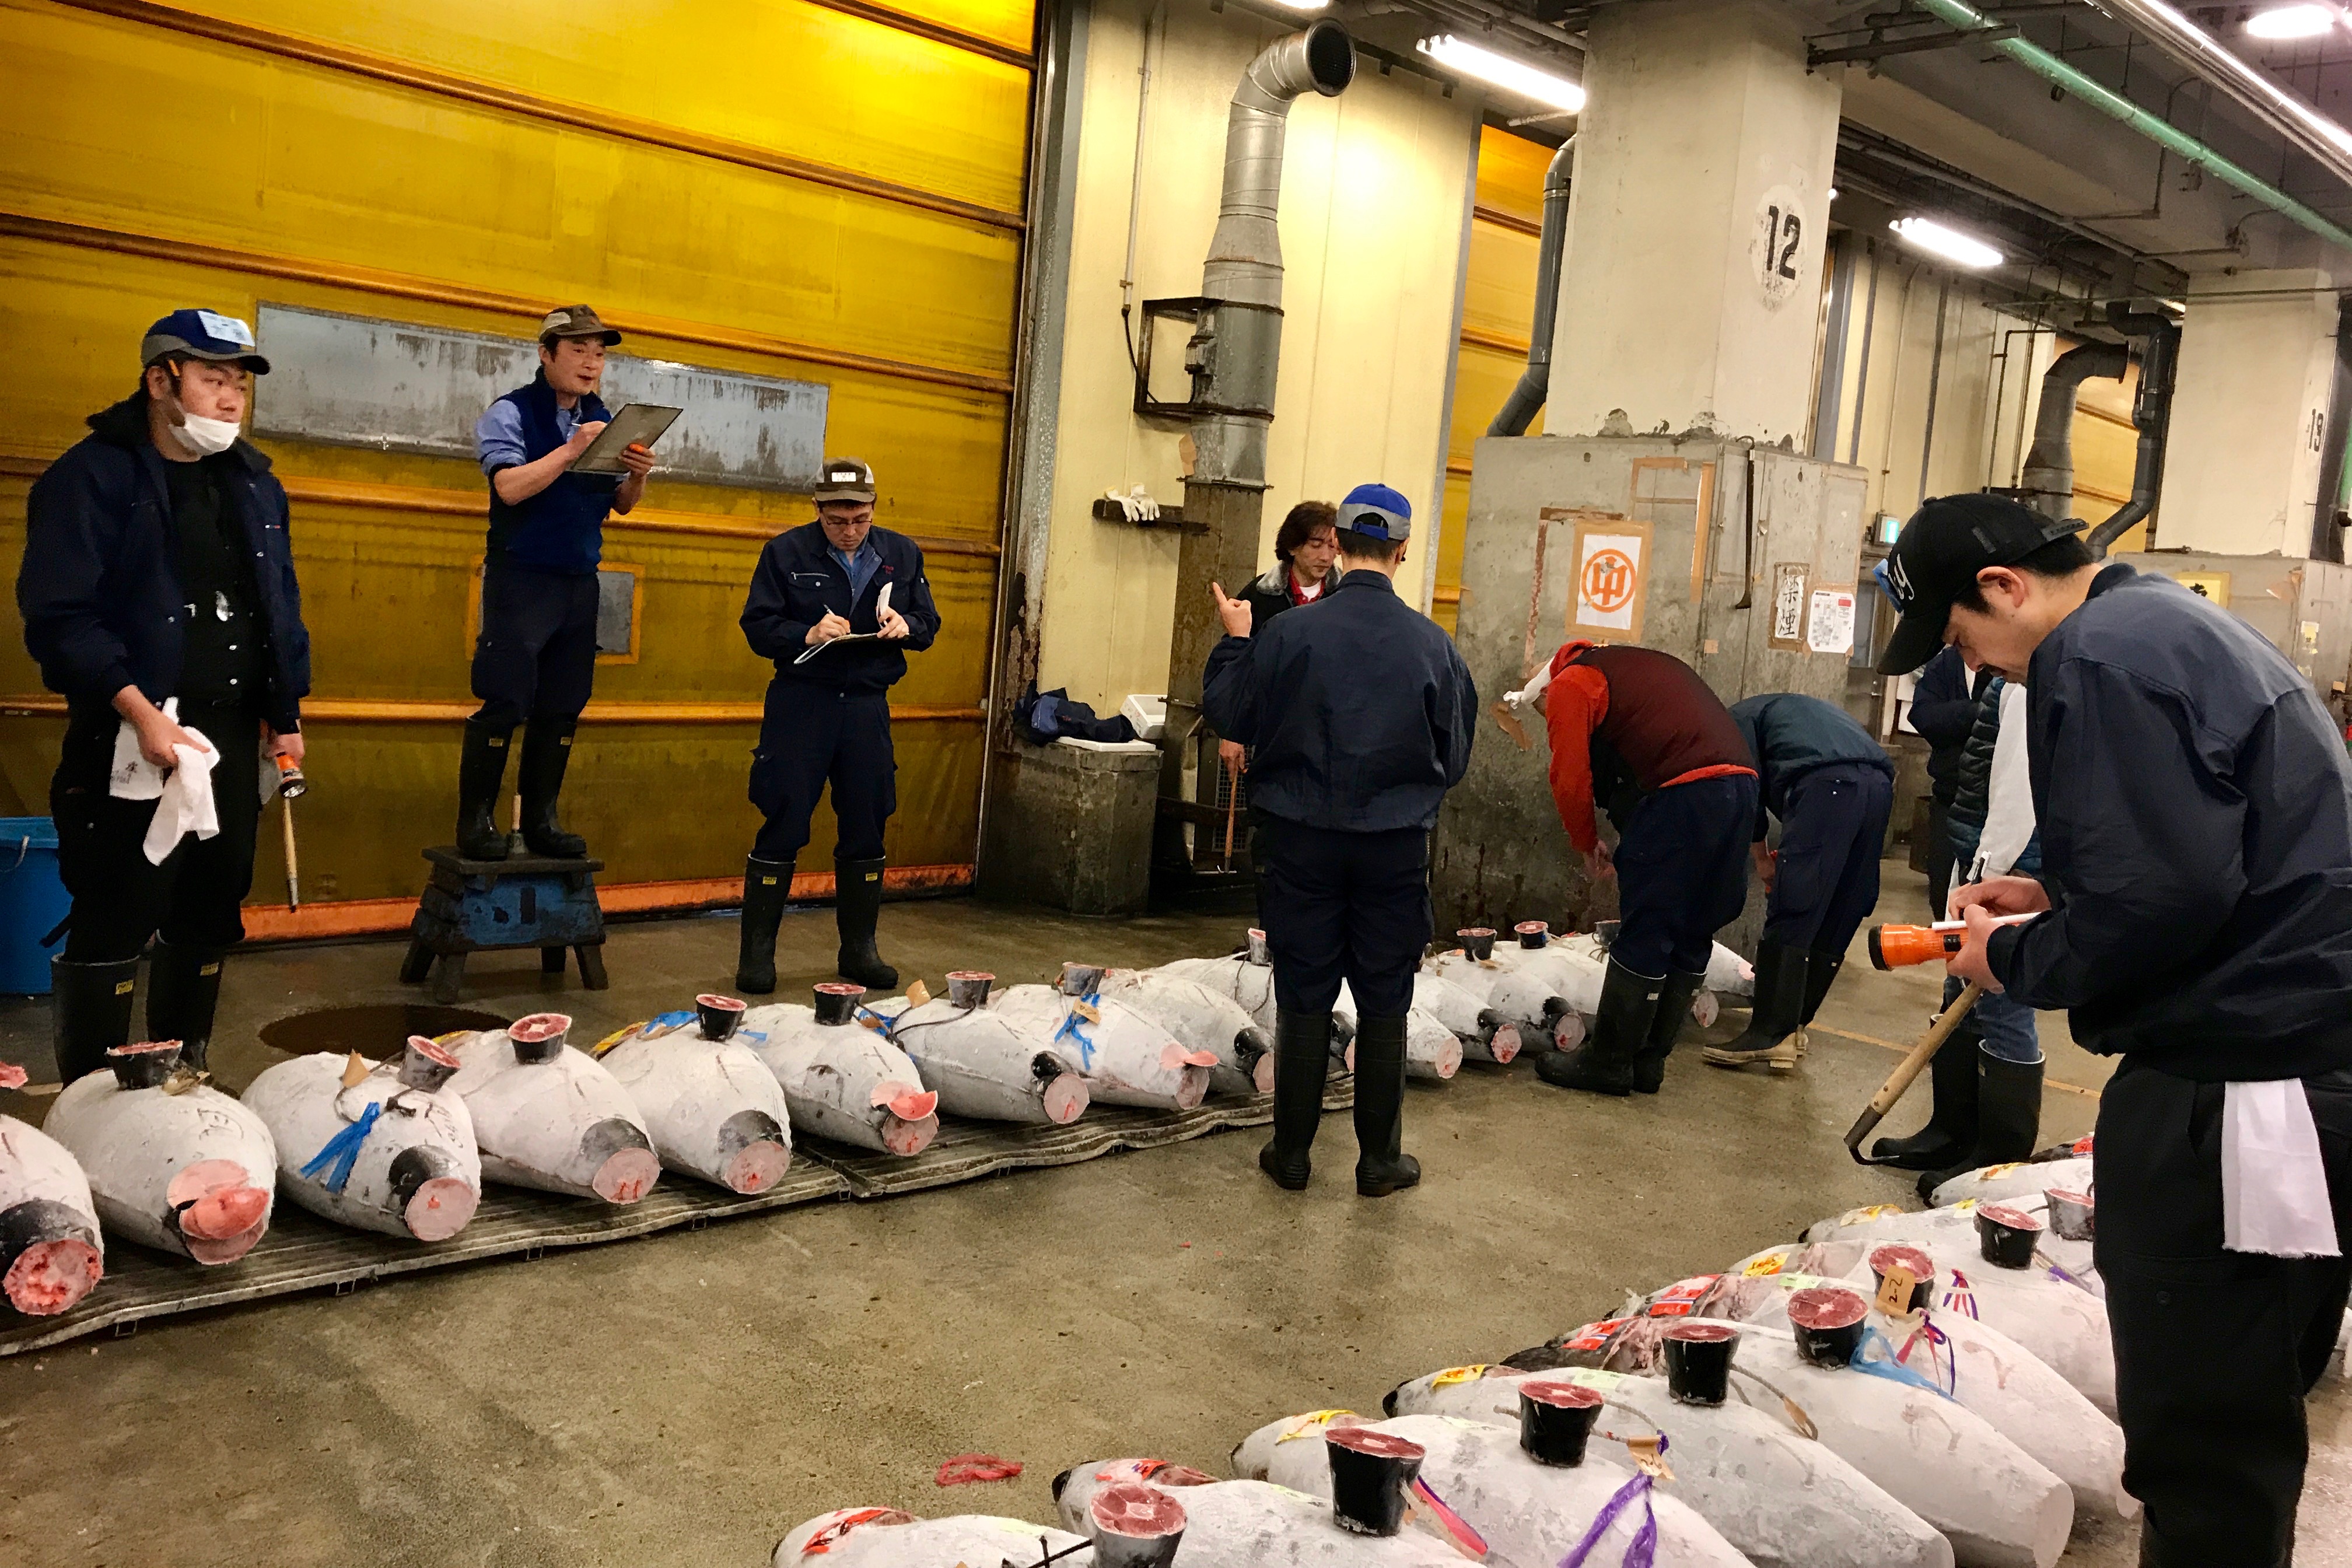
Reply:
x=688, y=1398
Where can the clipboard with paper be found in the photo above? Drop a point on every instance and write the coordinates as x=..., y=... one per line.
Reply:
x=881, y=608
x=637, y=425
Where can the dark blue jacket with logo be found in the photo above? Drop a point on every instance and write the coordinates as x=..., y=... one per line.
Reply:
x=100, y=587
x=2196, y=814
x=562, y=529
x=798, y=579
x=1358, y=710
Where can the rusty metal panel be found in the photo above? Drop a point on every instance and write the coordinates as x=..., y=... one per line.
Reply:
x=396, y=386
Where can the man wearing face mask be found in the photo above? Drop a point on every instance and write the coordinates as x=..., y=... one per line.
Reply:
x=157, y=571
x=535, y=661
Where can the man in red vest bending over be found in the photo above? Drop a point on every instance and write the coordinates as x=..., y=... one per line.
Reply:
x=1637, y=732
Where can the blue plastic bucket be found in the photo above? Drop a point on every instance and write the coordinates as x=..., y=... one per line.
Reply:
x=32, y=901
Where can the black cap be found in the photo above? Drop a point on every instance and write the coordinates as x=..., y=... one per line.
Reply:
x=1946, y=542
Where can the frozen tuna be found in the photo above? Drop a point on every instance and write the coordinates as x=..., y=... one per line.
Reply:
x=842, y=1079
x=1248, y=1523
x=1955, y=1225
x=1430, y=1051
x=1126, y=1059
x=709, y=1102
x=1201, y=1019
x=982, y=1067
x=386, y=1148
x=1531, y=1515
x=51, y=1255
x=886, y=1538
x=549, y=1116
x=173, y=1163
x=1541, y=1016
x=1998, y=1184
x=1248, y=978
x=1780, y=1499
x=1486, y=1036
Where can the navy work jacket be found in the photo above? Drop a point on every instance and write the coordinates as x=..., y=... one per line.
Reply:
x=1358, y=710
x=99, y=588
x=2196, y=815
x=1791, y=734
x=798, y=579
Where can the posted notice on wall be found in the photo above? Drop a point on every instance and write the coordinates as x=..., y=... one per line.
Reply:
x=1829, y=621
x=1610, y=561
x=1787, y=630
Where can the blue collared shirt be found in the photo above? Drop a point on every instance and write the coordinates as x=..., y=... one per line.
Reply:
x=498, y=435
x=861, y=567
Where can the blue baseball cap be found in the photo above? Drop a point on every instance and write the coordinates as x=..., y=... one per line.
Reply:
x=1377, y=510
x=195, y=333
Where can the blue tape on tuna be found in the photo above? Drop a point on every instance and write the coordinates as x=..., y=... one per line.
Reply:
x=882, y=1022
x=342, y=1150
x=1877, y=1356
x=671, y=1020
x=1070, y=1031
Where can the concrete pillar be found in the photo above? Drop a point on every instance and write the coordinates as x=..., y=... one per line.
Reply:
x=2248, y=415
x=1691, y=291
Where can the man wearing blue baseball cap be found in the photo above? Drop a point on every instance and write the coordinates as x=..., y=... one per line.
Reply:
x=1359, y=714
x=159, y=598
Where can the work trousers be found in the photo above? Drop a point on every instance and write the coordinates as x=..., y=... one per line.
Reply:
x=536, y=656
x=2214, y=1350
x=120, y=899
x=1825, y=877
x=1681, y=872
x=2002, y=1027
x=1345, y=906
x=812, y=735
x=1940, y=858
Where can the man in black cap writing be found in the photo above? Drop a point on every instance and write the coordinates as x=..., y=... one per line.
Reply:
x=158, y=581
x=535, y=661
x=1359, y=714
x=2194, y=912
x=837, y=603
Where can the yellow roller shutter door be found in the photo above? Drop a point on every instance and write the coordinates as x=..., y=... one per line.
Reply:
x=775, y=187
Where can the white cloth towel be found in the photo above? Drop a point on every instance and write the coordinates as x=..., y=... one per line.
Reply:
x=2274, y=1182
x=183, y=797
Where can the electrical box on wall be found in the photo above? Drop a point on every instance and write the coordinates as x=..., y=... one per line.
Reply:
x=2304, y=606
x=1742, y=561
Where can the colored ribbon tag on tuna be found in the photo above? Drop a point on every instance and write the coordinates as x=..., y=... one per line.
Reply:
x=342, y=1150
x=1895, y=1287
x=1453, y=1374
x=1448, y=1523
x=1642, y=1551
x=1961, y=1298
x=1877, y=1356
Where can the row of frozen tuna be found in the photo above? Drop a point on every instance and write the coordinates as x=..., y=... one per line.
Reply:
x=1920, y=1390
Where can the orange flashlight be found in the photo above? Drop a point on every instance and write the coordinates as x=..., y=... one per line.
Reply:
x=1895, y=946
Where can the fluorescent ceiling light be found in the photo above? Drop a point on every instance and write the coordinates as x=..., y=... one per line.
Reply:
x=1937, y=239
x=1305, y=5
x=2305, y=21
x=1503, y=71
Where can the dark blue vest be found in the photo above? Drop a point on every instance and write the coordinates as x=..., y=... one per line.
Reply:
x=561, y=528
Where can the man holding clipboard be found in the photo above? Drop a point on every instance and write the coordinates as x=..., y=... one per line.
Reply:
x=836, y=604
x=535, y=659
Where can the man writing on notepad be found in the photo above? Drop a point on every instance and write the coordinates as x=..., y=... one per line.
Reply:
x=535, y=659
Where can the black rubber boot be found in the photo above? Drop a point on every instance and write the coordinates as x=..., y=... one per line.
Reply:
x=1302, y=1061
x=1675, y=998
x=481, y=769
x=1381, y=1165
x=1821, y=973
x=1952, y=1120
x=2009, y=1118
x=857, y=906
x=89, y=1010
x=767, y=886
x=183, y=992
x=1604, y=1064
x=1782, y=979
x=546, y=752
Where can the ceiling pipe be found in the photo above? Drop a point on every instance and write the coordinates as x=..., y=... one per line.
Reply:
x=2049, y=474
x=2116, y=106
x=1234, y=370
x=1534, y=385
x=2151, y=414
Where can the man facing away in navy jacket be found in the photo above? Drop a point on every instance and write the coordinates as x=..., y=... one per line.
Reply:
x=157, y=570
x=1359, y=714
x=2193, y=910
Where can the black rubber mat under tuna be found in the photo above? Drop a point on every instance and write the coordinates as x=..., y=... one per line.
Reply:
x=302, y=1252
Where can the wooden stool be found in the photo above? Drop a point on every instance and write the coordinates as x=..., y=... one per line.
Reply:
x=523, y=900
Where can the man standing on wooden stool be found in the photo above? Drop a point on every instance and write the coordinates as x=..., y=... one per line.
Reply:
x=157, y=574
x=535, y=659
x=837, y=580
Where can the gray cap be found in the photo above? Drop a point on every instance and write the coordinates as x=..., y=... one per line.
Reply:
x=575, y=321
x=845, y=478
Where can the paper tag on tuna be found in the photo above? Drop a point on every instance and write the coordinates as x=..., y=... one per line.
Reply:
x=1764, y=1267
x=917, y=994
x=1679, y=1298
x=1453, y=1374
x=1895, y=1289
x=1966, y=1205
x=1644, y=1452
x=1594, y=1336
x=1592, y=1377
x=1311, y=1424
x=1087, y=1010
x=1795, y=1283
x=1869, y=1212
x=355, y=1071
x=1989, y=1171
